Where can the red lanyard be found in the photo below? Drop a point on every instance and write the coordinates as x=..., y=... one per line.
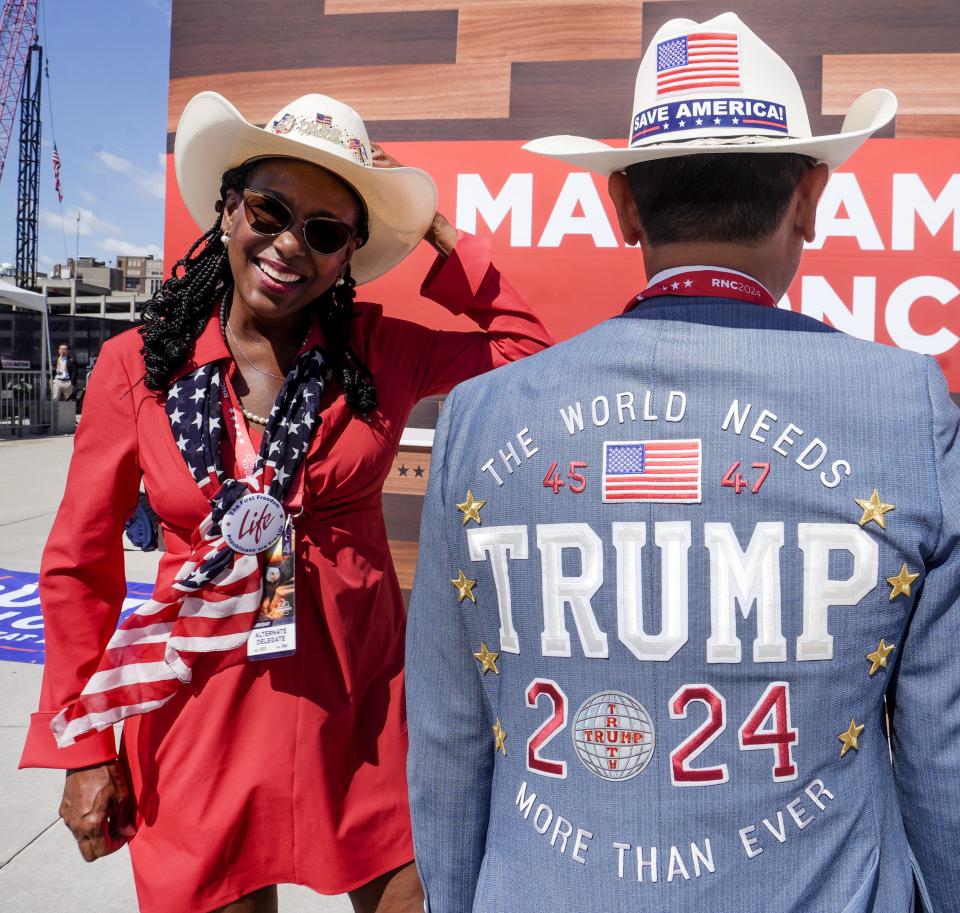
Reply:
x=710, y=283
x=246, y=456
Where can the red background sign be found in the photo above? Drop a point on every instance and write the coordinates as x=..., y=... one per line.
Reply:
x=884, y=265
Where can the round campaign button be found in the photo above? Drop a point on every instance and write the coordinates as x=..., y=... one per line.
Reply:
x=253, y=524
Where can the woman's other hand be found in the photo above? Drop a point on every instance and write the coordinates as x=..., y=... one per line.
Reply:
x=98, y=808
x=441, y=234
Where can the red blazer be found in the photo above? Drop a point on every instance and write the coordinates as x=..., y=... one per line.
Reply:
x=125, y=436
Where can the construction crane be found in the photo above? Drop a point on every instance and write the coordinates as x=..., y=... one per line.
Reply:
x=18, y=28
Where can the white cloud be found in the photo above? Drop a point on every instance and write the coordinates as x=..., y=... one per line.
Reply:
x=151, y=184
x=116, y=247
x=90, y=224
x=114, y=162
x=161, y=6
x=86, y=196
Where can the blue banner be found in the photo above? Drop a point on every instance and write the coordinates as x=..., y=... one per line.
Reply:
x=21, y=624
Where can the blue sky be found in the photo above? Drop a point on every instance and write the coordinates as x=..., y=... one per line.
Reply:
x=109, y=64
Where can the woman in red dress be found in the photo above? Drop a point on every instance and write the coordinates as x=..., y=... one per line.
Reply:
x=235, y=775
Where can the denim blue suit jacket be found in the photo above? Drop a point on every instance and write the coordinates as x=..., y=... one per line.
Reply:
x=711, y=658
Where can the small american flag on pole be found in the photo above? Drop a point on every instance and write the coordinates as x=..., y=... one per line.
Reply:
x=668, y=471
x=705, y=60
x=56, y=174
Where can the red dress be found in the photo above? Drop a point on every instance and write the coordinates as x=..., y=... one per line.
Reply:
x=288, y=770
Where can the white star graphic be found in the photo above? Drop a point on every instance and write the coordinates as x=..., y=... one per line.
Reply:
x=294, y=427
x=308, y=420
x=200, y=371
x=295, y=451
x=687, y=283
x=214, y=423
x=198, y=421
x=699, y=121
x=198, y=395
x=215, y=380
x=716, y=120
x=675, y=285
x=173, y=392
x=182, y=442
x=175, y=416
x=274, y=447
x=682, y=123
x=664, y=288
x=282, y=476
x=736, y=120
x=200, y=576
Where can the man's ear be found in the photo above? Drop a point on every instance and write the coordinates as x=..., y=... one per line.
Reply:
x=809, y=191
x=619, y=189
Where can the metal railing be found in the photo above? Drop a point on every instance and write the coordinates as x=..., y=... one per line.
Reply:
x=25, y=406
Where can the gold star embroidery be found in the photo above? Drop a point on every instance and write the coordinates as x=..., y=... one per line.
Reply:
x=471, y=509
x=499, y=737
x=487, y=659
x=878, y=659
x=851, y=737
x=464, y=587
x=874, y=509
x=901, y=583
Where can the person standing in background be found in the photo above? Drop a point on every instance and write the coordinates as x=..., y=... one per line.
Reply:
x=62, y=384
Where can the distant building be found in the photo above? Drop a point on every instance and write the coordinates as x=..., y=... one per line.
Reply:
x=141, y=275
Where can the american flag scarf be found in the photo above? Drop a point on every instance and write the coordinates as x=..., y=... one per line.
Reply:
x=213, y=600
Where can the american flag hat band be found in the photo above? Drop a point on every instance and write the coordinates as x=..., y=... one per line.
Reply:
x=715, y=87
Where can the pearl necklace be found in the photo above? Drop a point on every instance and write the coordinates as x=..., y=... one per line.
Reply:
x=224, y=327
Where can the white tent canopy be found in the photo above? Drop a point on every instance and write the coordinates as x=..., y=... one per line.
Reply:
x=33, y=301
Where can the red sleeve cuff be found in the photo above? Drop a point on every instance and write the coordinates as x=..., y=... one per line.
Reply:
x=454, y=281
x=41, y=748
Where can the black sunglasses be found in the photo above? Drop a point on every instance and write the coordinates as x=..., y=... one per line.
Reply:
x=266, y=215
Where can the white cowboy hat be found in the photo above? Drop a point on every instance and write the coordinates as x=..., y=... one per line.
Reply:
x=716, y=87
x=213, y=136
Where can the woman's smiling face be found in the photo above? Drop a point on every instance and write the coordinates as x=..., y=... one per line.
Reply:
x=276, y=276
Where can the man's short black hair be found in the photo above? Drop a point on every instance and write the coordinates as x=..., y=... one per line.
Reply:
x=737, y=198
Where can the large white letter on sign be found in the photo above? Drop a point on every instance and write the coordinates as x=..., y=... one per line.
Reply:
x=499, y=543
x=552, y=539
x=816, y=541
x=515, y=199
x=578, y=189
x=744, y=577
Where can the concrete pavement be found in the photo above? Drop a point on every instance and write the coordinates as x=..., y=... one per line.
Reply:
x=41, y=870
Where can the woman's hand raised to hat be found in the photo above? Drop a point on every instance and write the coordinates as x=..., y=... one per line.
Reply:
x=441, y=234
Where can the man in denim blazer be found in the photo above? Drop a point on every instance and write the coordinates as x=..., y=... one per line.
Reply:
x=689, y=581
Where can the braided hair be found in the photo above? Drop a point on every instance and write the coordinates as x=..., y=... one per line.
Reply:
x=179, y=310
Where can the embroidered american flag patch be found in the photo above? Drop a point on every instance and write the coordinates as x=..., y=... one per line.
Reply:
x=667, y=471
x=704, y=60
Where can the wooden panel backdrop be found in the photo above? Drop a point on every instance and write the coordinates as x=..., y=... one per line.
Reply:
x=516, y=69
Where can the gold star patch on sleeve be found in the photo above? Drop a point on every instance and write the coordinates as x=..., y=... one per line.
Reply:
x=464, y=587
x=851, y=738
x=878, y=659
x=471, y=509
x=499, y=737
x=874, y=509
x=487, y=659
x=901, y=583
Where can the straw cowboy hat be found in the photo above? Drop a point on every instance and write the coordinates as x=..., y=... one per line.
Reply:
x=716, y=87
x=213, y=136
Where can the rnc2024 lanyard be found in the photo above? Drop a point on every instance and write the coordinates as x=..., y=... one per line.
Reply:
x=707, y=282
x=274, y=633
